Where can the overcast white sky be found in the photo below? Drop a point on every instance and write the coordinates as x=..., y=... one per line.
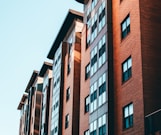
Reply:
x=27, y=31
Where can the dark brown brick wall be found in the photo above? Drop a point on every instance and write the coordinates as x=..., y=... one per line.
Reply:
x=151, y=50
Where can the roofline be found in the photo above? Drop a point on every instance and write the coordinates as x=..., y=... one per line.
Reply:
x=70, y=17
x=82, y=1
x=22, y=101
x=32, y=79
x=44, y=68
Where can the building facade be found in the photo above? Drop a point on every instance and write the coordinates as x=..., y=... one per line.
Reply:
x=105, y=76
x=46, y=74
x=23, y=114
x=65, y=54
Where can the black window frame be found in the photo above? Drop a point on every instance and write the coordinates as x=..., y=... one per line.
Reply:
x=129, y=118
x=67, y=121
x=87, y=72
x=125, y=32
x=68, y=94
x=86, y=105
x=126, y=75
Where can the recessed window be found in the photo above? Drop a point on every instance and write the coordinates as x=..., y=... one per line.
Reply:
x=94, y=27
x=93, y=61
x=127, y=69
x=67, y=94
x=102, y=125
x=93, y=97
x=86, y=132
x=102, y=90
x=125, y=27
x=67, y=121
x=69, y=57
x=102, y=51
x=93, y=128
x=128, y=116
x=101, y=13
x=87, y=71
x=87, y=101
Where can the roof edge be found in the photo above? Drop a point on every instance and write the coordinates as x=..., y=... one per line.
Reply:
x=70, y=17
x=44, y=68
x=31, y=81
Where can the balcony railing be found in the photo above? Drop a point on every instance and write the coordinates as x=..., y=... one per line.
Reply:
x=153, y=123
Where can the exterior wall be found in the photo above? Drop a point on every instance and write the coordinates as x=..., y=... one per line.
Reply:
x=72, y=82
x=36, y=107
x=132, y=89
x=45, y=103
x=57, y=91
x=50, y=106
x=23, y=118
x=150, y=19
x=98, y=32
x=84, y=84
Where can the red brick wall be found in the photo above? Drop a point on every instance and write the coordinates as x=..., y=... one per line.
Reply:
x=84, y=84
x=72, y=80
x=132, y=90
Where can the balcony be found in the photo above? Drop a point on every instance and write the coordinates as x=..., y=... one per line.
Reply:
x=153, y=123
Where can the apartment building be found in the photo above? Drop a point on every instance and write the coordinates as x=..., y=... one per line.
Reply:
x=65, y=53
x=23, y=114
x=136, y=64
x=46, y=74
x=34, y=90
x=71, y=95
x=94, y=69
x=106, y=71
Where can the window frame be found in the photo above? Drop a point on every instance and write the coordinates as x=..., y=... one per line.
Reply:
x=127, y=71
x=130, y=116
x=87, y=71
x=125, y=23
x=67, y=121
x=86, y=104
x=67, y=94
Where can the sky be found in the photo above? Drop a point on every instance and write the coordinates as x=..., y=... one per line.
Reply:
x=27, y=30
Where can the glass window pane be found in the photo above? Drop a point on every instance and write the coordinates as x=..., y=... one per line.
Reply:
x=123, y=26
x=125, y=67
x=131, y=109
x=95, y=125
x=126, y=112
x=128, y=21
x=104, y=119
x=129, y=63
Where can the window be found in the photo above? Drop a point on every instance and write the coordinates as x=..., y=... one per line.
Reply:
x=93, y=60
x=102, y=51
x=125, y=27
x=102, y=125
x=87, y=71
x=87, y=101
x=67, y=94
x=86, y=132
x=93, y=128
x=128, y=116
x=69, y=57
x=102, y=89
x=88, y=38
x=93, y=97
x=101, y=13
x=67, y=121
x=94, y=27
x=94, y=3
x=127, y=69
